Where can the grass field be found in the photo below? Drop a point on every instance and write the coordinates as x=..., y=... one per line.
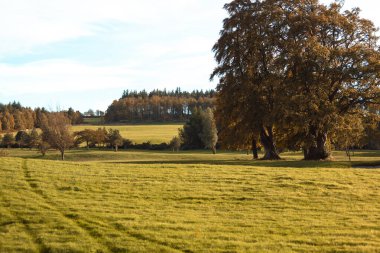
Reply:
x=155, y=133
x=137, y=201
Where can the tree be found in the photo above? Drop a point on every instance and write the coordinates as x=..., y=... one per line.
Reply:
x=87, y=136
x=209, y=134
x=90, y=113
x=349, y=134
x=332, y=67
x=100, y=136
x=34, y=139
x=56, y=132
x=74, y=116
x=43, y=147
x=114, y=138
x=22, y=138
x=190, y=133
x=19, y=120
x=249, y=76
x=303, y=62
x=8, y=122
x=8, y=140
x=175, y=143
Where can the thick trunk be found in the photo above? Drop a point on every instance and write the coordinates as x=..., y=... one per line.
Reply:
x=116, y=148
x=254, y=149
x=62, y=155
x=213, y=150
x=266, y=138
x=320, y=150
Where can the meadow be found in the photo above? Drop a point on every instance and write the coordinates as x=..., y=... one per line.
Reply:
x=139, y=133
x=144, y=201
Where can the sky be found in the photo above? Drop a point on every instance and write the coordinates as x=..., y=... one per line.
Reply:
x=83, y=53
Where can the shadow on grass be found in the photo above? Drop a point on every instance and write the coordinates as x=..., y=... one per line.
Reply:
x=261, y=163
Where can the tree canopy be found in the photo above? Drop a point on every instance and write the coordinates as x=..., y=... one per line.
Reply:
x=295, y=69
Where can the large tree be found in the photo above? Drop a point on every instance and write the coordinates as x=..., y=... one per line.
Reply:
x=332, y=64
x=250, y=77
x=56, y=132
x=296, y=67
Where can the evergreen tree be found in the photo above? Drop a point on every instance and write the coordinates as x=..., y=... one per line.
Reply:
x=190, y=133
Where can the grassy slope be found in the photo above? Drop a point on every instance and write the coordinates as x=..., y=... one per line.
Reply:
x=160, y=201
x=155, y=133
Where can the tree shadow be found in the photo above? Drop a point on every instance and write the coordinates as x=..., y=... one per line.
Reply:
x=258, y=163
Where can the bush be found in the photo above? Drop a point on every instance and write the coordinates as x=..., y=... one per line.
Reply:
x=145, y=145
x=127, y=144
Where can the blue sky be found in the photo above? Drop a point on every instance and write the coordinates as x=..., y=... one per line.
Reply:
x=84, y=53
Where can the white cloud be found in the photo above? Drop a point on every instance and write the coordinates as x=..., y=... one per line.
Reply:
x=26, y=24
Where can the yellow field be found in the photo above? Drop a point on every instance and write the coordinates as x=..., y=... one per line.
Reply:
x=140, y=201
x=155, y=133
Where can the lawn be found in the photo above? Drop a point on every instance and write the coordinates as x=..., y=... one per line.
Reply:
x=139, y=201
x=155, y=133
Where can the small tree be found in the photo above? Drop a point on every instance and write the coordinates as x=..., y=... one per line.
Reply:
x=189, y=134
x=56, y=132
x=114, y=138
x=87, y=136
x=209, y=134
x=34, y=139
x=22, y=139
x=349, y=134
x=43, y=147
x=100, y=136
x=8, y=140
x=175, y=144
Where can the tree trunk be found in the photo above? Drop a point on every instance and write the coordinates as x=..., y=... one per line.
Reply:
x=266, y=138
x=116, y=148
x=213, y=150
x=320, y=149
x=254, y=149
x=62, y=155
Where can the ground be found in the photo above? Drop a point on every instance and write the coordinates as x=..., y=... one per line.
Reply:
x=141, y=201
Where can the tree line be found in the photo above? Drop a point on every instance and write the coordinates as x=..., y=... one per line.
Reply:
x=296, y=74
x=158, y=105
x=15, y=117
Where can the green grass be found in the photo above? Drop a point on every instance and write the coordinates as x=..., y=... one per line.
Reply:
x=137, y=201
x=155, y=133
x=93, y=121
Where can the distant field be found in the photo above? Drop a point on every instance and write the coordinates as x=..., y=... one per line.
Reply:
x=155, y=133
x=139, y=201
x=94, y=121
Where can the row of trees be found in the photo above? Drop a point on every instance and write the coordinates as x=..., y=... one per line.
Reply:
x=14, y=117
x=199, y=132
x=55, y=133
x=296, y=74
x=158, y=105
